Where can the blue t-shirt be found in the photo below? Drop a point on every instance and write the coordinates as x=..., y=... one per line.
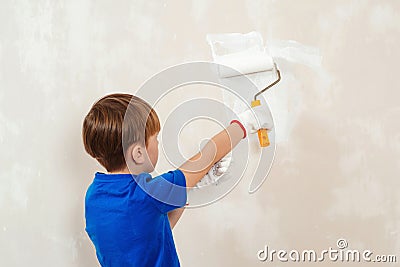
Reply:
x=127, y=220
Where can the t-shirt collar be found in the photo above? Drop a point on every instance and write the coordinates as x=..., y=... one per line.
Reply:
x=105, y=177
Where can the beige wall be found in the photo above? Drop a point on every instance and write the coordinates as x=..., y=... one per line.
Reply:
x=337, y=162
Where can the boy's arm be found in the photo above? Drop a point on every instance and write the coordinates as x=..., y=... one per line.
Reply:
x=174, y=216
x=221, y=144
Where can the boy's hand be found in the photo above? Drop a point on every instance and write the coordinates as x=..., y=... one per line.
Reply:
x=255, y=118
x=215, y=173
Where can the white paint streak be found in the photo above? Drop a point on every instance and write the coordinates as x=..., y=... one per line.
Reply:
x=286, y=99
x=285, y=102
x=295, y=52
x=384, y=17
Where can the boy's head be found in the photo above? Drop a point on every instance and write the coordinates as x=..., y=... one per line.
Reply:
x=104, y=127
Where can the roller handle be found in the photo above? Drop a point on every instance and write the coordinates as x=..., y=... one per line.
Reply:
x=262, y=133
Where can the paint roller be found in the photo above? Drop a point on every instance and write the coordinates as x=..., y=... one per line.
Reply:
x=249, y=63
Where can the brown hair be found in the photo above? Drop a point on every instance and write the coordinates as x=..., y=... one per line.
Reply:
x=104, y=127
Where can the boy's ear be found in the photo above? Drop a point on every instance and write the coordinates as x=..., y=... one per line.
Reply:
x=137, y=154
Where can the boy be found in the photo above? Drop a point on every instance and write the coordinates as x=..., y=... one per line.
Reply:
x=129, y=214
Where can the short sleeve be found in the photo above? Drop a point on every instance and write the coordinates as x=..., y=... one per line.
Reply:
x=167, y=191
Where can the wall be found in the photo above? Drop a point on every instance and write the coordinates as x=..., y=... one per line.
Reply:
x=336, y=167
